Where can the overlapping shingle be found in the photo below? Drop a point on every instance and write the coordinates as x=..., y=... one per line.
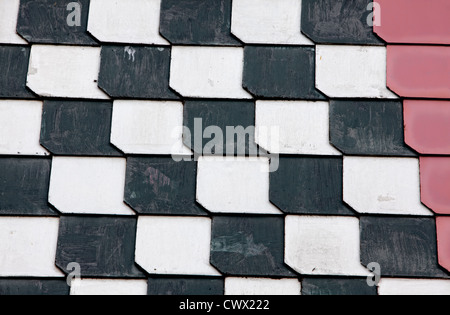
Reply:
x=181, y=133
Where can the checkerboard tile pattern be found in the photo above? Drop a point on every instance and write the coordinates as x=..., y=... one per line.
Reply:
x=234, y=147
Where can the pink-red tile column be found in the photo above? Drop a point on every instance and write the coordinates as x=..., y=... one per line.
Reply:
x=418, y=69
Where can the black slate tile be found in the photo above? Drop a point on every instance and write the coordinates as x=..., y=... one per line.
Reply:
x=337, y=286
x=309, y=185
x=338, y=22
x=235, y=121
x=160, y=185
x=13, y=286
x=249, y=246
x=140, y=72
x=77, y=128
x=185, y=286
x=197, y=22
x=13, y=72
x=280, y=72
x=24, y=184
x=46, y=21
x=404, y=247
x=103, y=246
x=368, y=128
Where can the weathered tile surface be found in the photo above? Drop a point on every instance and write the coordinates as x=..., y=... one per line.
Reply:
x=139, y=72
x=174, y=245
x=383, y=185
x=323, y=245
x=126, y=21
x=308, y=185
x=268, y=22
x=24, y=186
x=401, y=246
x=13, y=72
x=197, y=22
x=237, y=147
x=368, y=128
x=208, y=72
x=249, y=246
x=160, y=185
x=339, y=22
x=352, y=71
x=102, y=246
x=28, y=247
x=220, y=127
x=54, y=22
x=20, y=124
x=337, y=286
x=262, y=286
x=280, y=72
x=185, y=286
x=77, y=128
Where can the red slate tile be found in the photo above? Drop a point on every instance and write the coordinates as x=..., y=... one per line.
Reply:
x=427, y=126
x=419, y=71
x=435, y=183
x=414, y=21
x=443, y=240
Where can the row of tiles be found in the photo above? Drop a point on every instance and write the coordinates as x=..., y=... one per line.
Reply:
x=349, y=127
x=267, y=72
x=224, y=22
x=162, y=185
x=228, y=286
x=267, y=246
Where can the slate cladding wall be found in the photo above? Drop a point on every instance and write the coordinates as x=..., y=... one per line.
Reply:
x=118, y=164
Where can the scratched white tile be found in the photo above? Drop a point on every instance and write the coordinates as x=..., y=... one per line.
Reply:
x=234, y=185
x=9, y=11
x=174, y=245
x=352, y=71
x=268, y=22
x=108, y=287
x=148, y=127
x=208, y=72
x=126, y=21
x=20, y=127
x=261, y=286
x=88, y=185
x=379, y=185
x=388, y=286
x=294, y=127
x=326, y=245
x=28, y=247
x=65, y=71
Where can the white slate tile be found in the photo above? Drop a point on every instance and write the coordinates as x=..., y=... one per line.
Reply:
x=20, y=127
x=352, y=71
x=28, y=247
x=388, y=286
x=174, y=245
x=108, y=287
x=88, y=185
x=9, y=11
x=234, y=185
x=261, y=286
x=65, y=71
x=323, y=245
x=208, y=72
x=126, y=21
x=379, y=185
x=148, y=127
x=303, y=127
x=268, y=22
